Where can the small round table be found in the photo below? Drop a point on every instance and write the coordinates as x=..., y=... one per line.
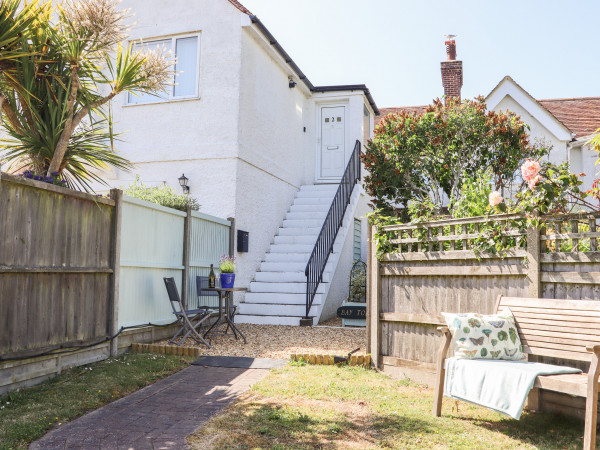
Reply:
x=224, y=318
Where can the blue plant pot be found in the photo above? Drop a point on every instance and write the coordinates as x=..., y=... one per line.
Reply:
x=227, y=280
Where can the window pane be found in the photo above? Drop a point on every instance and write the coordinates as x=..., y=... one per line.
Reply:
x=187, y=63
x=148, y=98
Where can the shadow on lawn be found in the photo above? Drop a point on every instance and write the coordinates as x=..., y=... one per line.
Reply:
x=324, y=428
x=541, y=429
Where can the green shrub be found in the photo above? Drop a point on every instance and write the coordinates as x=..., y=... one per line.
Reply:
x=163, y=195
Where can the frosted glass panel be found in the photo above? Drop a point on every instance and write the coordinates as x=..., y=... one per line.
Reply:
x=147, y=98
x=187, y=63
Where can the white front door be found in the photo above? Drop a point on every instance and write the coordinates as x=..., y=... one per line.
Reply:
x=332, y=156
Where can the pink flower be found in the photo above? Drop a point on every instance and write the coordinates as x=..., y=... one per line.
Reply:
x=495, y=198
x=530, y=169
x=533, y=182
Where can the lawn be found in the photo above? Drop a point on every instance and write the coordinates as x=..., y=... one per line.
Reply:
x=27, y=414
x=300, y=407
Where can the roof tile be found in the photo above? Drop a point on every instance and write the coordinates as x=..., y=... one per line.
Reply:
x=411, y=109
x=241, y=7
x=580, y=115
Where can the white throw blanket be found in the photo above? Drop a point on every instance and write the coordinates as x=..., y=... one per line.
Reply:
x=496, y=384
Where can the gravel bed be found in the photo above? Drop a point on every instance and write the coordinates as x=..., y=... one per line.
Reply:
x=275, y=341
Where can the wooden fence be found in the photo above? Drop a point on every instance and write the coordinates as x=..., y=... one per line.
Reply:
x=75, y=268
x=409, y=287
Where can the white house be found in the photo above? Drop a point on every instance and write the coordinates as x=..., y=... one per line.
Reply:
x=258, y=143
x=565, y=124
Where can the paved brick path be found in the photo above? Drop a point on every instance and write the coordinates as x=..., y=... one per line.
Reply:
x=159, y=416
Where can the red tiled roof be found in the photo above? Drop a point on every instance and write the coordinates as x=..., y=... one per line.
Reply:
x=580, y=115
x=241, y=7
x=412, y=109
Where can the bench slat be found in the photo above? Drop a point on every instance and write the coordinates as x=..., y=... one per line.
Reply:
x=542, y=324
x=557, y=314
x=575, y=320
x=548, y=343
x=557, y=336
x=581, y=305
x=552, y=353
x=574, y=384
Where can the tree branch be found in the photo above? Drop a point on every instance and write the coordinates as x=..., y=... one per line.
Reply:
x=65, y=136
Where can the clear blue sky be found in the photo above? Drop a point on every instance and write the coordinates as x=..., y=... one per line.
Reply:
x=550, y=47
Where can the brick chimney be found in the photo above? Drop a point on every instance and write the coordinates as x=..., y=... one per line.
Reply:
x=452, y=73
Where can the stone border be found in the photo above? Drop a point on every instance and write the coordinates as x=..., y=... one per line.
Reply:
x=166, y=349
x=328, y=360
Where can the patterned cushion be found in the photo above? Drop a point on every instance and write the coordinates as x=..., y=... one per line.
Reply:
x=489, y=337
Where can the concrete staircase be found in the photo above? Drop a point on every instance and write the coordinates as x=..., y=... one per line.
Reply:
x=278, y=294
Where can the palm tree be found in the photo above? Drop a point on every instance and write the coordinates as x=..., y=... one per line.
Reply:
x=60, y=65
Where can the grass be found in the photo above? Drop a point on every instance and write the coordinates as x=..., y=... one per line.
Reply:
x=302, y=407
x=27, y=414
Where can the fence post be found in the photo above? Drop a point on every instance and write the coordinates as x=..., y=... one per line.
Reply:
x=115, y=264
x=374, y=301
x=534, y=285
x=231, y=236
x=187, y=230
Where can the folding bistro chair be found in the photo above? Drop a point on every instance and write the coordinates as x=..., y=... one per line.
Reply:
x=189, y=320
x=201, y=290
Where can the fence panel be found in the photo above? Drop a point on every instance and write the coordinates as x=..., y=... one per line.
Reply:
x=433, y=268
x=209, y=239
x=54, y=265
x=151, y=248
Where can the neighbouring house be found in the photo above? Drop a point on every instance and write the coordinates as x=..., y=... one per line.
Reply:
x=566, y=124
x=257, y=141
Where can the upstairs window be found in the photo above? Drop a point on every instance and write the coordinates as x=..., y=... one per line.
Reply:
x=186, y=50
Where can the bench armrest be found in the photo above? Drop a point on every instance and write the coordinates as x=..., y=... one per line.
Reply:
x=443, y=330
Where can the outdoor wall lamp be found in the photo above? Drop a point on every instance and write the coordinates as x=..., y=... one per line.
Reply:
x=292, y=83
x=183, y=181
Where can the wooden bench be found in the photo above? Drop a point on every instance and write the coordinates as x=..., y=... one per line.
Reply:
x=568, y=329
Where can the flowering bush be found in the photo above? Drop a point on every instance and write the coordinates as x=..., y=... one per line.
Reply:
x=162, y=195
x=54, y=178
x=418, y=157
x=227, y=264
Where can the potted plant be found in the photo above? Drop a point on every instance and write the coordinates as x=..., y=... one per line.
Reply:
x=227, y=268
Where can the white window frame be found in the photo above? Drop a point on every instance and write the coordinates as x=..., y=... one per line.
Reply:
x=171, y=97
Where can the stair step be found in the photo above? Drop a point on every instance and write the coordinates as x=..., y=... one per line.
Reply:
x=282, y=266
x=279, y=298
x=312, y=201
x=287, y=257
x=299, y=239
x=306, y=215
x=283, y=287
x=319, y=187
x=273, y=310
x=310, y=231
x=303, y=223
x=291, y=248
x=268, y=320
x=292, y=277
x=318, y=207
x=316, y=194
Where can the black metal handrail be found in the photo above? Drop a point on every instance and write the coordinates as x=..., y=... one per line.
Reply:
x=333, y=221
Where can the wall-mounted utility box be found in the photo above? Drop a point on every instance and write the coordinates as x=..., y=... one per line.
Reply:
x=242, y=241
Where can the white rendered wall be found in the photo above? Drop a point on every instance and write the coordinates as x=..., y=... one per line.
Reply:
x=583, y=160
x=558, y=154
x=198, y=137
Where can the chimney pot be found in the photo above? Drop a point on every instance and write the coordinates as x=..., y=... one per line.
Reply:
x=452, y=73
x=450, y=50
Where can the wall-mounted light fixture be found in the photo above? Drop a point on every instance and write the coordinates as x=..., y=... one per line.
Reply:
x=292, y=83
x=183, y=181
